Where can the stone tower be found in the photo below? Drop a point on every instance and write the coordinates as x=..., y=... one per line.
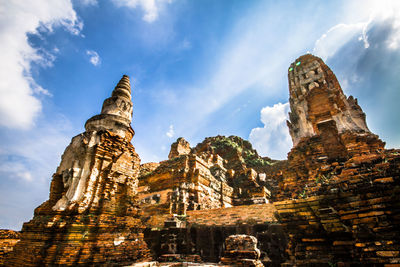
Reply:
x=91, y=217
x=320, y=109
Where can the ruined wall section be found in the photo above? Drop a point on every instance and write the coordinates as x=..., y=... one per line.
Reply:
x=211, y=189
x=246, y=168
x=209, y=177
x=351, y=219
x=186, y=182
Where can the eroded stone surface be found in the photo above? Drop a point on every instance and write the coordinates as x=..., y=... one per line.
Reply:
x=336, y=190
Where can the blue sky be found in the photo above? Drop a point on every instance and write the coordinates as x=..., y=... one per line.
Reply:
x=197, y=68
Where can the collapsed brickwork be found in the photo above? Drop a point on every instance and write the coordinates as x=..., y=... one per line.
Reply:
x=91, y=217
x=212, y=175
x=180, y=147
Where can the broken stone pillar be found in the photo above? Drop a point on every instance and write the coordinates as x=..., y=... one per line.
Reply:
x=241, y=250
x=91, y=217
x=180, y=147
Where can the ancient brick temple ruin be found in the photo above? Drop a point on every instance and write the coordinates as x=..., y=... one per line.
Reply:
x=334, y=202
x=212, y=175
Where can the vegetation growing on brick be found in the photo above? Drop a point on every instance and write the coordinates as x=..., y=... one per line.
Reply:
x=234, y=147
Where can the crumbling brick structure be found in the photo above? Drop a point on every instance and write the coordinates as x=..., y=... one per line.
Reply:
x=91, y=217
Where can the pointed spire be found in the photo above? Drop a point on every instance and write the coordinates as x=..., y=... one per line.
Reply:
x=124, y=83
x=120, y=102
x=123, y=88
x=116, y=113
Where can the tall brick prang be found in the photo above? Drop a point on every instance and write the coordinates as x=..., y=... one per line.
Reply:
x=319, y=108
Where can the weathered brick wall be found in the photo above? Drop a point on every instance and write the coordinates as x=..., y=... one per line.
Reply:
x=185, y=183
x=8, y=239
x=208, y=241
x=206, y=231
x=352, y=218
x=251, y=214
x=247, y=214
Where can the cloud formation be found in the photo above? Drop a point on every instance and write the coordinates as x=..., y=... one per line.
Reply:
x=15, y=170
x=272, y=140
x=369, y=75
x=94, y=57
x=20, y=102
x=171, y=131
x=337, y=36
x=369, y=14
x=151, y=8
x=27, y=161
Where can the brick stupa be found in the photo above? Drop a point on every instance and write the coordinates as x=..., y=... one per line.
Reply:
x=91, y=217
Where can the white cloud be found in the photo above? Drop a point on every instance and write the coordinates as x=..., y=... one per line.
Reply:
x=27, y=161
x=368, y=13
x=36, y=88
x=34, y=152
x=272, y=140
x=170, y=132
x=20, y=103
x=337, y=36
x=15, y=170
x=151, y=8
x=94, y=58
